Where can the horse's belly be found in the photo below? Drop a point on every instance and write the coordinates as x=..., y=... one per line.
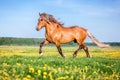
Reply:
x=67, y=38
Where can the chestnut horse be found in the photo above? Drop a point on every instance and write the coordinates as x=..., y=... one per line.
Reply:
x=58, y=34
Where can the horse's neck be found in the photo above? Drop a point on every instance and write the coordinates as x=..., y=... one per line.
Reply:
x=51, y=28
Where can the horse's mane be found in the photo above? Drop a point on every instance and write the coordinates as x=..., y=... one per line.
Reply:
x=50, y=18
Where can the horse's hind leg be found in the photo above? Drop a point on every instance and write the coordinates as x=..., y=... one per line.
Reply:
x=86, y=51
x=41, y=45
x=75, y=53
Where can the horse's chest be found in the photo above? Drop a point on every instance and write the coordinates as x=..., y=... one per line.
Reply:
x=49, y=37
x=53, y=37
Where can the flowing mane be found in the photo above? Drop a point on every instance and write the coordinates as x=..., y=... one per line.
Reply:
x=50, y=18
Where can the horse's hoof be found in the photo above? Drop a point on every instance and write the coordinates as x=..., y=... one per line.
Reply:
x=41, y=54
x=63, y=56
x=74, y=56
x=89, y=56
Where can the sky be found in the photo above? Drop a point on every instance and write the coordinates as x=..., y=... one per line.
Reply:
x=18, y=18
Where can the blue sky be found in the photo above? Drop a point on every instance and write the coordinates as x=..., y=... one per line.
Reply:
x=18, y=18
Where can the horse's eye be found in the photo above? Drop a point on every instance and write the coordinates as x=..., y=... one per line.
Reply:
x=41, y=19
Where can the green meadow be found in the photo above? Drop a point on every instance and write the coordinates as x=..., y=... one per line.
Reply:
x=24, y=63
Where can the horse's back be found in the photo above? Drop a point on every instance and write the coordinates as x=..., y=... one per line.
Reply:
x=78, y=28
x=80, y=34
x=75, y=33
x=75, y=28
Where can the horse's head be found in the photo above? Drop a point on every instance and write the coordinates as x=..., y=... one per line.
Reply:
x=46, y=19
x=42, y=21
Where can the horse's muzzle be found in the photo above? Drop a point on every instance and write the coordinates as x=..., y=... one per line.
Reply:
x=37, y=29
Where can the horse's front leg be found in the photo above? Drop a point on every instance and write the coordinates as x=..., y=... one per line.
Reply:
x=60, y=51
x=41, y=45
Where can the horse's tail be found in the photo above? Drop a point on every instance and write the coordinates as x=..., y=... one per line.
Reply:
x=101, y=45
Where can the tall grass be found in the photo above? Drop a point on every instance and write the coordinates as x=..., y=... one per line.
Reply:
x=24, y=63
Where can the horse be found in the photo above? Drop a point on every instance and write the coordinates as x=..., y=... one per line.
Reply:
x=56, y=33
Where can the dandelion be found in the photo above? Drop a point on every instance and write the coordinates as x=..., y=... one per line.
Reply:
x=18, y=64
x=106, y=78
x=51, y=79
x=108, y=66
x=61, y=78
x=97, y=63
x=31, y=70
x=66, y=67
x=25, y=78
x=44, y=76
x=5, y=64
x=66, y=72
x=50, y=75
x=89, y=77
x=94, y=72
x=39, y=72
x=28, y=76
x=59, y=69
x=66, y=77
x=54, y=70
x=6, y=74
x=84, y=76
x=71, y=77
x=44, y=68
x=44, y=73
x=86, y=69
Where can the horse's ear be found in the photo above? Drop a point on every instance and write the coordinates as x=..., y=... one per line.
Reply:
x=39, y=13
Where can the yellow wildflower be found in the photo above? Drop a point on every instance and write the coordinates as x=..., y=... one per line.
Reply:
x=66, y=67
x=18, y=64
x=28, y=76
x=44, y=73
x=31, y=70
x=108, y=66
x=94, y=72
x=86, y=69
x=39, y=72
x=44, y=68
x=44, y=76
x=72, y=77
x=50, y=75
x=25, y=78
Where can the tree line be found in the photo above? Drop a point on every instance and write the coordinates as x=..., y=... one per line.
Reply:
x=36, y=41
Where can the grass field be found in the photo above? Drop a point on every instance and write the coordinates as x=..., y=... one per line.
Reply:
x=24, y=63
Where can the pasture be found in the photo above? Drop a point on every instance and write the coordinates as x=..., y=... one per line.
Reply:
x=24, y=63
